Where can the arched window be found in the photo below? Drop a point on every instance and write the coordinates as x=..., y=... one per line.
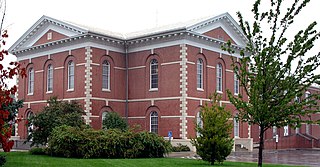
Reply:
x=199, y=74
x=236, y=127
x=70, y=75
x=106, y=75
x=103, y=116
x=219, y=77
x=30, y=81
x=154, y=74
x=236, y=84
x=30, y=125
x=199, y=122
x=49, y=78
x=154, y=122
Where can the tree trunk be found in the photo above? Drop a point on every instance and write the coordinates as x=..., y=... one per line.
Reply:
x=261, y=146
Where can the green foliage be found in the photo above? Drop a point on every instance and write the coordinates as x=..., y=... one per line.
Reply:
x=113, y=120
x=3, y=160
x=57, y=113
x=13, y=108
x=274, y=69
x=37, y=151
x=69, y=141
x=180, y=148
x=214, y=142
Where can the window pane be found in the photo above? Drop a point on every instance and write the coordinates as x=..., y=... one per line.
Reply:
x=153, y=74
x=70, y=75
x=154, y=122
x=200, y=73
x=31, y=81
x=219, y=77
x=106, y=75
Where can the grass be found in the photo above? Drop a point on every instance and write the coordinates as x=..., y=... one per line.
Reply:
x=25, y=159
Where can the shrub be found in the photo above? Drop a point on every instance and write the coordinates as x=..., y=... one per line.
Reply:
x=180, y=148
x=2, y=160
x=69, y=141
x=37, y=151
x=55, y=114
x=113, y=120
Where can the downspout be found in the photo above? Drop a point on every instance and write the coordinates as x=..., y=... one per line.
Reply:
x=127, y=81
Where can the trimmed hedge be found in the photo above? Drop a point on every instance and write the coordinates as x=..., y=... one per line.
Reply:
x=69, y=141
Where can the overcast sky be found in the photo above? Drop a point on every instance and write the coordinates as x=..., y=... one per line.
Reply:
x=130, y=15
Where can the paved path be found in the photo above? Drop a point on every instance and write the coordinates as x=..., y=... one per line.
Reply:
x=290, y=157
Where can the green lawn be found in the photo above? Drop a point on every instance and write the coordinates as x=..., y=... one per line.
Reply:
x=17, y=159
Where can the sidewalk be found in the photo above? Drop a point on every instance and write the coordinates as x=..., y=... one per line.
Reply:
x=306, y=157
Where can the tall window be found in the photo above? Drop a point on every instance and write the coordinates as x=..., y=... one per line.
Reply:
x=236, y=84
x=154, y=122
x=236, y=127
x=154, y=74
x=286, y=130
x=199, y=123
x=70, y=75
x=274, y=131
x=30, y=125
x=199, y=74
x=219, y=77
x=106, y=75
x=31, y=81
x=103, y=116
x=49, y=78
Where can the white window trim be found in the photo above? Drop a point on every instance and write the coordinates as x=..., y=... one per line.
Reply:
x=153, y=89
x=236, y=132
x=70, y=89
x=106, y=90
x=236, y=80
x=157, y=121
x=150, y=76
x=200, y=61
x=107, y=65
x=49, y=91
x=30, y=81
x=219, y=84
x=200, y=89
x=286, y=130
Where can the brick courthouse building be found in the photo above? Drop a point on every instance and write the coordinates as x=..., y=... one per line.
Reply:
x=158, y=78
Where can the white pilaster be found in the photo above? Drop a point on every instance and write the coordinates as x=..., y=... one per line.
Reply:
x=88, y=85
x=183, y=91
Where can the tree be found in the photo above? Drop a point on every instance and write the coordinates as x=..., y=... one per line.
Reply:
x=214, y=142
x=113, y=120
x=7, y=73
x=55, y=114
x=275, y=70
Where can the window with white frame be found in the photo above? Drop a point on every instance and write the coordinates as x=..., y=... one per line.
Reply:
x=70, y=75
x=274, y=131
x=199, y=122
x=31, y=81
x=154, y=122
x=236, y=84
x=49, y=78
x=219, y=77
x=154, y=74
x=297, y=99
x=236, y=127
x=103, y=117
x=106, y=75
x=30, y=124
x=286, y=130
x=199, y=74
